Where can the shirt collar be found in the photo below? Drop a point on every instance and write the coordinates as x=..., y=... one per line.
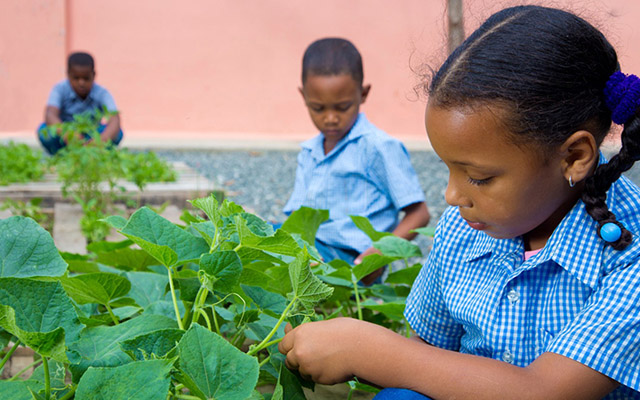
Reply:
x=316, y=144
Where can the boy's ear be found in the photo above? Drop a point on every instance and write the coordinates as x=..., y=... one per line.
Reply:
x=365, y=93
x=579, y=155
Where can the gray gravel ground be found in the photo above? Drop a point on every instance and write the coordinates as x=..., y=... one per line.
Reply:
x=261, y=181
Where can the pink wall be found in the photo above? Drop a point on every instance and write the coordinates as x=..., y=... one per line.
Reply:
x=230, y=69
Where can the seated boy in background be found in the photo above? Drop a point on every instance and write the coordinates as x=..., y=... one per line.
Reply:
x=76, y=95
x=351, y=167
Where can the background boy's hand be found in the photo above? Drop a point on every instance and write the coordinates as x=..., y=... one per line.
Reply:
x=369, y=279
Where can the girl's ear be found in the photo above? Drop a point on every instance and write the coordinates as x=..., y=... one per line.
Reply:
x=579, y=156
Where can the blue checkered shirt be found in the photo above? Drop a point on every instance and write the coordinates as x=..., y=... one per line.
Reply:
x=576, y=297
x=368, y=173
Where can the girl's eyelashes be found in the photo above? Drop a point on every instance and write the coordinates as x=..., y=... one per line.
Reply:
x=479, y=182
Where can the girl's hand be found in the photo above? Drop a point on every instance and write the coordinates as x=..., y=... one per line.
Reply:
x=325, y=351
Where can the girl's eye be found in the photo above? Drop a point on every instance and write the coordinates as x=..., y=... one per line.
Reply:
x=479, y=182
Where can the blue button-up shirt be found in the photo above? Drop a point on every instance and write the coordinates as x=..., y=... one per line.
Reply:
x=576, y=297
x=368, y=173
x=64, y=98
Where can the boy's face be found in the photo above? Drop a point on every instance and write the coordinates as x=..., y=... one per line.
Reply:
x=503, y=189
x=81, y=79
x=333, y=102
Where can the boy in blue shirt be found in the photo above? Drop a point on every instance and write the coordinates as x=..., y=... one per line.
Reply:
x=76, y=95
x=351, y=167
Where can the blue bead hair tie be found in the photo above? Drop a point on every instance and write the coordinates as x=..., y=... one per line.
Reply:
x=622, y=96
x=610, y=232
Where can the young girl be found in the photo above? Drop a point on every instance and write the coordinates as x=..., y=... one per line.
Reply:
x=532, y=288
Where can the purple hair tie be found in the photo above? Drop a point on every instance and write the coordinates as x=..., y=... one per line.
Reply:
x=622, y=96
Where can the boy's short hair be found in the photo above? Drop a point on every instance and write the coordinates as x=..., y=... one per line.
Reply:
x=332, y=56
x=80, y=59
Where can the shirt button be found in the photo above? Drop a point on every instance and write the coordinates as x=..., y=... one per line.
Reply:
x=513, y=296
x=507, y=356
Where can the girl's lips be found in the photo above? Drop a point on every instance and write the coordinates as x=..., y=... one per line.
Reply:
x=477, y=225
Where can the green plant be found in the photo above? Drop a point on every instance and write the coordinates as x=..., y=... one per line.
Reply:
x=20, y=163
x=91, y=171
x=189, y=312
x=31, y=209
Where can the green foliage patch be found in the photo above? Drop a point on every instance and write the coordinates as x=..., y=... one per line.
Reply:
x=197, y=317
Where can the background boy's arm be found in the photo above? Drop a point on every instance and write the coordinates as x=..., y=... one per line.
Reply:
x=112, y=129
x=336, y=350
x=416, y=215
x=52, y=115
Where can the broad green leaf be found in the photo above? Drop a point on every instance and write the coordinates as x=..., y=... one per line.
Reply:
x=306, y=287
x=163, y=240
x=99, y=346
x=48, y=344
x=206, y=229
x=371, y=263
x=18, y=390
x=404, y=276
x=305, y=221
x=252, y=277
x=40, y=314
x=394, y=246
x=257, y=225
x=26, y=250
x=394, y=310
x=210, y=207
x=116, y=221
x=426, y=230
x=280, y=243
x=157, y=344
x=365, y=226
x=106, y=247
x=127, y=259
x=265, y=300
x=214, y=368
x=229, y=208
x=148, y=287
x=222, y=269
x=250, y=256
x=99, y=287
x=140, y=380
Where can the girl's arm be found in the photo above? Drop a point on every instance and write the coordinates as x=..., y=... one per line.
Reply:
x=334, y=351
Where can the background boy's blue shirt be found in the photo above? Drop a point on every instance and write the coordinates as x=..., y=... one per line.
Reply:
x=69, y=103
x=368, y=173
x=576, y=297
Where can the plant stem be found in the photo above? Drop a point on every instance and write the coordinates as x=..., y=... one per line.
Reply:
x=175, y=302
x=357, y=296
x=206, y=317
x=47, y=379
x=8, y=355
x=187, y=316
x=25, y=369
x=69, y=394
x=113, y=316
x=407, y=328
x=274, y=330
x=215, y=320
x=263, y=362
x=186, y=397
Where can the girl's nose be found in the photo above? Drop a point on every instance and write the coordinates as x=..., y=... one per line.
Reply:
x=454, y=197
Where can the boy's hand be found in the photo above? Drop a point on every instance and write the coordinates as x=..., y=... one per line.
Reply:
x=323, y=351
x=369, y=279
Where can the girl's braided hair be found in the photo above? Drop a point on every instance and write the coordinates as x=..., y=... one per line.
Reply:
x=549, y=68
